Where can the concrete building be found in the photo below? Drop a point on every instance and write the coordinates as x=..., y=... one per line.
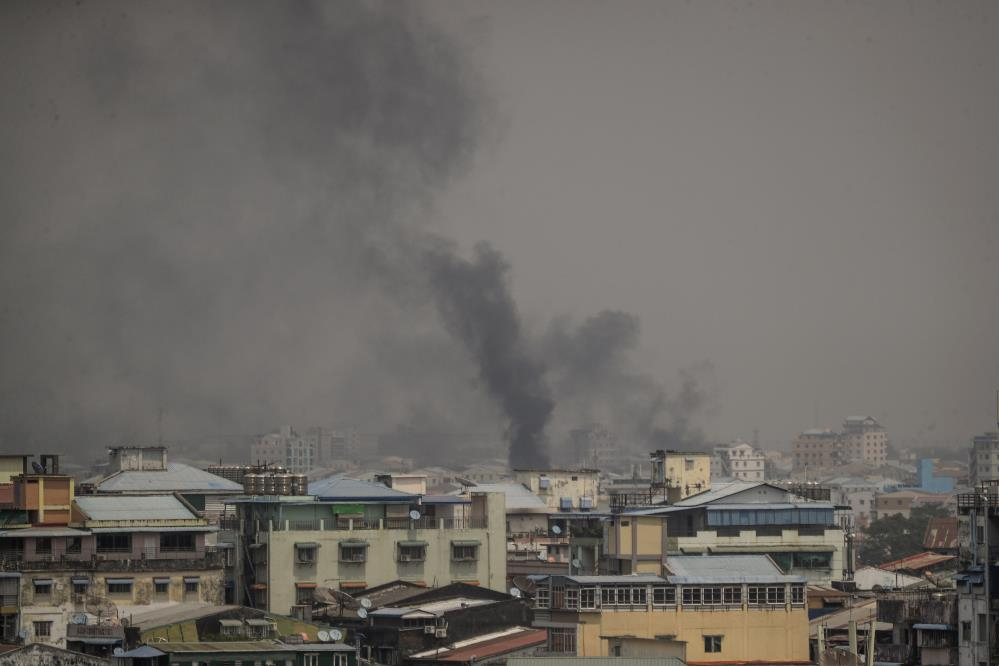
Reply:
x=351, y=535
x=316, y=448
x=978, y=582
x=740, y=461
x=857, y=493
x=983, y=463
x=862, y=440
x=802, y=536
x=730, y=609
x=902, y=502
x=113, y=553
x=562, y=489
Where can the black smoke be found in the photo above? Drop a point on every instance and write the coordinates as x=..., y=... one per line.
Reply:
x=474, y=300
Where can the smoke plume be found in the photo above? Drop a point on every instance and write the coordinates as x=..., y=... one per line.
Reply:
x=477, y=308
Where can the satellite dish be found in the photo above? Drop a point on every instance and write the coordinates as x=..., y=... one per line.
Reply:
x=414, y=514
x=365, y=602
x=336, y=634
x=576, y=563
x=118, y=652
x=515, y=592
x=541, y=556
x=23, y=634
x=79, y=618
x=556, y=529
x=324, y=636
x=362, y=613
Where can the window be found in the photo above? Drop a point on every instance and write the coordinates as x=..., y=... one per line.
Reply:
x=303, y=595
x=464, y=552
x=966, y=632
x=161, y=586
x=712, y=643
x=43, y=590
x=74, y=545
x=732, y=595
x=562, y=641
x=572, y=597
x=340, y=660
x=663, y=596
x=114, y=543
x=587, y=597
x=541, y=598
x=118, y=586
x=177, y=542
x=310, y=660
x=43, y=546
x=638, y=596
x=305, y=553
x=42, y=629
x=412, y=552
x=775, y=595
x=80, y=587
x=191, y=586
x=798, y=595
x=608, y=596
x=353, y=552
x=691, y=596
x=558, y=596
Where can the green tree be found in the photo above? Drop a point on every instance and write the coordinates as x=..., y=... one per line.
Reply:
x=894, y=537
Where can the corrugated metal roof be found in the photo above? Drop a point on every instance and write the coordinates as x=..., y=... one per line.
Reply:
x=744, y=568
x=140, y=507
x=941, y=534
x=177, y=476
x=342, y=488
x=917, y=562
x=555, y=660
x=43, y=532
x=616, y=580
x=802, y=504
x=518, y=498
x=486, y=646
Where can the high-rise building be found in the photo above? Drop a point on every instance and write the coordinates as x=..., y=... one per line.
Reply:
x=984, y=458
x=740, y=461
x=316, y=448
x=862, y=440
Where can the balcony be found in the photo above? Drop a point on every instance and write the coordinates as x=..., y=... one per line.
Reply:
x=356, y=524
x=210, y=560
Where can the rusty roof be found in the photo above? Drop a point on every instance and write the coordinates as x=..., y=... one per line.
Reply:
x=486, y=646
x=917, y=562
x=941, y=534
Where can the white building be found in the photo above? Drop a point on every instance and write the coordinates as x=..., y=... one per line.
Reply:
x=301, y=453
x=984, y=458
x=740, y=461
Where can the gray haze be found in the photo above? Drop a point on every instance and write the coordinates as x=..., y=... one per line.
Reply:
x=230, y=212
x=805, y=193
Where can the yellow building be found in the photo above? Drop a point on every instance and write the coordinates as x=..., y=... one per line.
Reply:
x=800, y=535
x=706, y=610
x=678, y=475
x=351, y=535
x=562, y=489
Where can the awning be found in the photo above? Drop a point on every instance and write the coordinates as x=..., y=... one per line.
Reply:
x=161, y=580
x=192, y=579
x=932, y=627
x=259, y=623
x=306, y=544
x=76, y=580
x=118, y=581
x=259, y=586
x=93, y=641
x=305, y=586
x=413, y=543
x=356, y=585
x=231, y=623
x=467, y=542
x=354, y=542
x=42, y=581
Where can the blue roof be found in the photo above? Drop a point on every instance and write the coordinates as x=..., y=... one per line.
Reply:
x=177, y=476
x=344, y=489
x=143, y=652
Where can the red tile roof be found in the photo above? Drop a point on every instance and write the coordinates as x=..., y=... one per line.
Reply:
x=941, y=534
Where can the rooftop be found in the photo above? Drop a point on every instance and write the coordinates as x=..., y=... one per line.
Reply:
x=742, y=568
x=144, y=507
x=917, y=562
x=341, y=488
x=941, y=534
x=435, y=608
x=177, y=476
x=486, y=645
x=518, y=498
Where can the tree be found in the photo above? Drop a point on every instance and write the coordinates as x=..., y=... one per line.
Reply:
x=894, y=537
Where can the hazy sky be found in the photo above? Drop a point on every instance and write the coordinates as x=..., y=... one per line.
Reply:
x=805, y=193
x=221, y=212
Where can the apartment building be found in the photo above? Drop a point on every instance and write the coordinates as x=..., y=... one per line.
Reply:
x=865, y=440
x=726, y=609
x=300, y=453
x=977, y=588
x=562, y=489
x=902, y=502
x=857, y=493
x=740, y=461
x=110, y=554
x=802, y=536
x=861, y=440
x=351, y=535
x=817, y=449
x=984, y=458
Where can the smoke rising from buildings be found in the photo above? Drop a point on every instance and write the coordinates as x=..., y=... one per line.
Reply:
x=222, y=213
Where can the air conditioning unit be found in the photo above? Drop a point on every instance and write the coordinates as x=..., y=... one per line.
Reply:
x=429, y=629
x=440, y=633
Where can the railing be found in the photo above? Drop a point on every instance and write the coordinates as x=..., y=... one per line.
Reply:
x=8, y=599
x=210, y=560
x=968, y=501
x=352, y=524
